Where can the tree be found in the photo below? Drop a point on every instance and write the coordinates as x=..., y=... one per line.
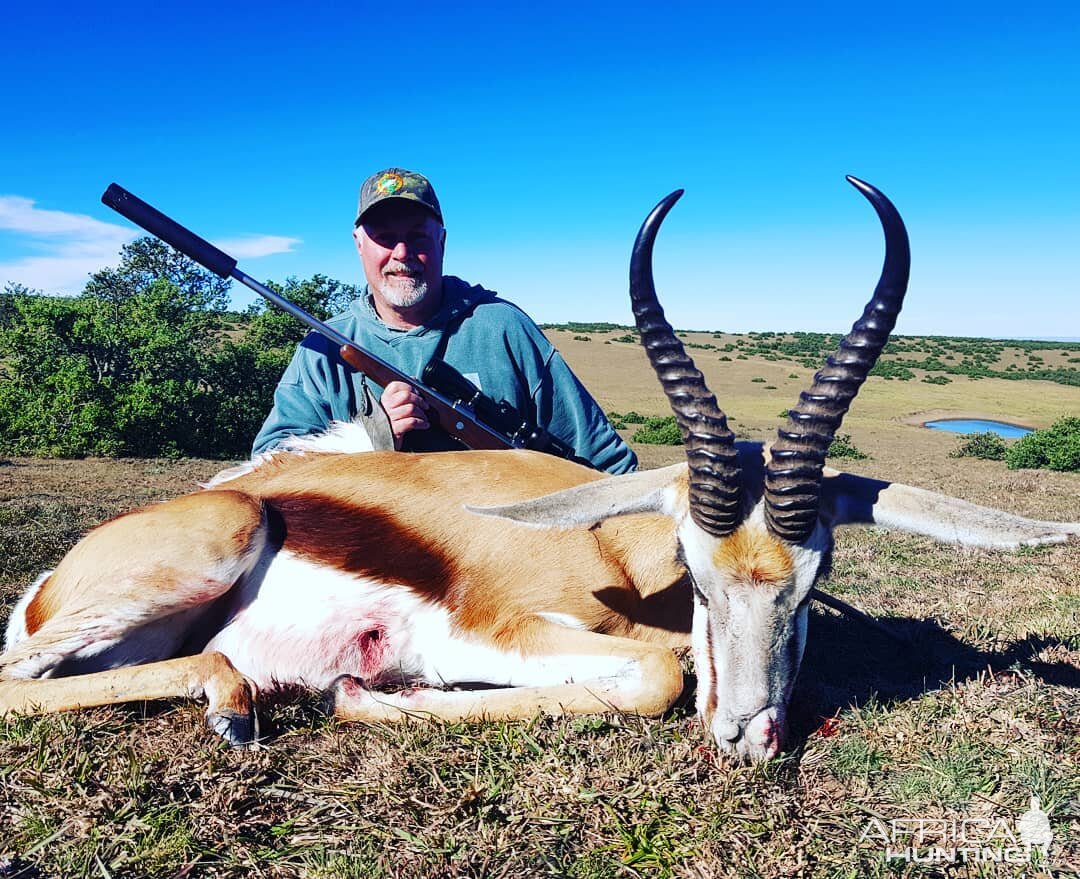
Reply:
x=50, y=400
x=244, y=371
x=319, y=296
x=116, y=369
x=146, y=261
x=142, y=362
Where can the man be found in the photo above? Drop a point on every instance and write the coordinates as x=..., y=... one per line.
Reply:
x=411, y=312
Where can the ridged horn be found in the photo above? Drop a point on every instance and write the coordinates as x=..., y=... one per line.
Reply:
x=710, y=445
x=793, y=476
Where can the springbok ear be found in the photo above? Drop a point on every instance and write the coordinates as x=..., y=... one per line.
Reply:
x=648, y=491
x=848, y=499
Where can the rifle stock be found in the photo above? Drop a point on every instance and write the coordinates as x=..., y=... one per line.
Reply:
x=453, y=418
x=442, y=414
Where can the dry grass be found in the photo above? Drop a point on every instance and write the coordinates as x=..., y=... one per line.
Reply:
x=978, y=714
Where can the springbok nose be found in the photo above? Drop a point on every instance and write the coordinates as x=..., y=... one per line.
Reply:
x=756, y=737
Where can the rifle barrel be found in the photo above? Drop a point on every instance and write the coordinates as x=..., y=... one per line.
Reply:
x=295, y=310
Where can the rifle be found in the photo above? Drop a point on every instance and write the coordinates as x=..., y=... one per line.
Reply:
x=455, y=406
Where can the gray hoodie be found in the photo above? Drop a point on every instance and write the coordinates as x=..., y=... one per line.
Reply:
x=491, y=342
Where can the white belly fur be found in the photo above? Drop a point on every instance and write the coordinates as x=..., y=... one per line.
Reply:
x=299, y=623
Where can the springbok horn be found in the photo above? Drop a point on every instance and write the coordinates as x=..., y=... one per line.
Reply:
x=710, y=445
x=793, y=476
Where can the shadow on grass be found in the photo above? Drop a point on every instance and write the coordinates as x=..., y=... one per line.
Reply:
x=846, y=664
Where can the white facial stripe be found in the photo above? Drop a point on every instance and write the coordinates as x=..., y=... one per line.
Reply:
x=754, y=633
x=703, y=661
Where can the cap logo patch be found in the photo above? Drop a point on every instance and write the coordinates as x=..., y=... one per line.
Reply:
x=388, y=184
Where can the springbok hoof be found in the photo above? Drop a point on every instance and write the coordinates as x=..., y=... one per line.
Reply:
x=237, y=728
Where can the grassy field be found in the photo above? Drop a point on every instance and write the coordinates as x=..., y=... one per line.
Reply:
x=976, y=716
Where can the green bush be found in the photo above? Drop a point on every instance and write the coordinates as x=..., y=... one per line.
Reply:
x=115, y=370
x=143, y=362
x=659, y=432
x=580, y=327
x=620, y=422
x=1055, y=448
x=890, y=369
x=988, y=446
x=843, y=447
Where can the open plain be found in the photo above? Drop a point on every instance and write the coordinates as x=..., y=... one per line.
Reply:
x=974, y=717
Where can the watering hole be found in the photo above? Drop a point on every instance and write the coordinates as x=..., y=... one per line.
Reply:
x=972, y=425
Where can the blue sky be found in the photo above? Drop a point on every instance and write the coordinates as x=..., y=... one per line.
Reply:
x=549, y=134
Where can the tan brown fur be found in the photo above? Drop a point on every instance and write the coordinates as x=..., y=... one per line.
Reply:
x=401, y=520
x=145, y=549
x=139, y=568
x=753, y=556
x=394, y=518
x=40, y=608
x=489, y=572
x=324, y=529
x=681, y=488
x=209, y=675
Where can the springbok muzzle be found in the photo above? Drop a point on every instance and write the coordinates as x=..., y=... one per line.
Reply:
x=758, y=737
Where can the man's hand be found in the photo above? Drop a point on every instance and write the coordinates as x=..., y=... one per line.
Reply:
x=405, y=409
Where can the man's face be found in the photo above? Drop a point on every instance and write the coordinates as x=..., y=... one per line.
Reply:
x=401, y=249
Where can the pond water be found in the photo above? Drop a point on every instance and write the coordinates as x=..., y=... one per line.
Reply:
x=968, y=425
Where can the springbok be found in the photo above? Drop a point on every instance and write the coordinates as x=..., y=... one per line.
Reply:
x=396, y=581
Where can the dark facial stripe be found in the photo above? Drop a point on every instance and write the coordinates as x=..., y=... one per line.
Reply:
x=711, y=701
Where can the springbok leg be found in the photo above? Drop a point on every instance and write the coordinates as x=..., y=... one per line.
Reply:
x=231, y=696
x=565, y=671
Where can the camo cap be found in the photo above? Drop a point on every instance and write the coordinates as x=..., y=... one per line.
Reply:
x=397, y=183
